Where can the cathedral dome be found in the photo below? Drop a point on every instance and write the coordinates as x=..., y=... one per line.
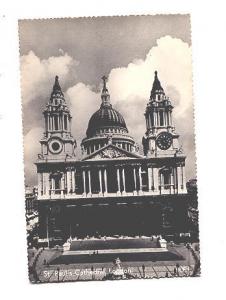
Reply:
x=106, y=126
x=106, y=118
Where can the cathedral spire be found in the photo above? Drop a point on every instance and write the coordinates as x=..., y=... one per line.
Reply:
x=105, y=94
x=57, y=95
x=156, y=87
x=56, y=86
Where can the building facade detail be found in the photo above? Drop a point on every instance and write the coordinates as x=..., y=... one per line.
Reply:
x=111, y=170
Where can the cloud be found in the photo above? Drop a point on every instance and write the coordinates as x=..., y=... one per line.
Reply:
x=83, y=103
x=31, y=149
x=37, y=75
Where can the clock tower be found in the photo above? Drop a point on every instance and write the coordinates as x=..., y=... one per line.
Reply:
x=160, y=138
x=161, y=142
x=57, y=142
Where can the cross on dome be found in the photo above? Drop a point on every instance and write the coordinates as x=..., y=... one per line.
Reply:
x=105, y=94
x=104, y=78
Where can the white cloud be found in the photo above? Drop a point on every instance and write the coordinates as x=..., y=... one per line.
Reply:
x=37, y=75
x=31, y=149
x=83, y=103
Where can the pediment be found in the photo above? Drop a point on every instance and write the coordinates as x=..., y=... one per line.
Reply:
x=111, y=152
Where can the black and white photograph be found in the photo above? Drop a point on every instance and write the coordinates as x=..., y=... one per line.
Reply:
x=109, y=148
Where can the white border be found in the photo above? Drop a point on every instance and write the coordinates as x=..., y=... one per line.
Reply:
x=209, y=49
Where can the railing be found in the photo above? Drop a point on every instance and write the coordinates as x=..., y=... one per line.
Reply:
x=74, y=195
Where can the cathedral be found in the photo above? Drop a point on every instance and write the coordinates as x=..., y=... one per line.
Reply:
x=112, y=189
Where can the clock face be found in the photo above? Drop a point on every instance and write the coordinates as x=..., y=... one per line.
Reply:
x=55, y=146
x=164, y=140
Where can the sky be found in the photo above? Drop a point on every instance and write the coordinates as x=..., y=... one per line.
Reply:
x=126, y=49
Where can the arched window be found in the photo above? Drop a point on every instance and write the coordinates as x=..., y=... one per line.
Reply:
x=56, y=122
x=161, y=118
x=65, y=122
x=152, y=120
x=57, y=185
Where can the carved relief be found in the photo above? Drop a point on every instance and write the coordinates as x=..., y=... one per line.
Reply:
x=109, y=153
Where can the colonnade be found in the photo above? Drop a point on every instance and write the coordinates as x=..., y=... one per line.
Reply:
x=153, y=118
x=58, y=122
x=100, y=179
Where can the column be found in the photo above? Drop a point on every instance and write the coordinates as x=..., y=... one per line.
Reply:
x=170, y=118
x=118, y=182
x=105, y=181
x=42, y=183
x=51, y=123
x=160, y=182
x=135, y=180
x=52, y=186
x=180, y=179
x=174, y=180
x=89, y=182
x=123, y=181
x=62, y=185
x=68, y=181
x=62, y=122
x=72, y=179
x=100, y=181
x=140, y=181
x=171, y=183
x=167, y=118
x=58, y=122
x=46, y=184
x=155, y=119
x=150, y=179
x=84, y=182
x=39, y=184
x=49, y=128
x=155, y=179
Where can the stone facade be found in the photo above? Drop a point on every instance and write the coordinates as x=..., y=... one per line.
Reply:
x=75, y=196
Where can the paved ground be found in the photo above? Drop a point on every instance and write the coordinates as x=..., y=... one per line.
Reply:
x=182, y=264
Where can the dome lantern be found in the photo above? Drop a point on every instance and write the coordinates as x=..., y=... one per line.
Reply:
x=105, y=94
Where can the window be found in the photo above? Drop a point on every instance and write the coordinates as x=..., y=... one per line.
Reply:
x=166, y=180
x=152, y=120
x=55, y=122
x=57, y=184
x=161, y=118
x=65, y=122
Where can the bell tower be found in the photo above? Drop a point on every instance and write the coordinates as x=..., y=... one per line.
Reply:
x=57, y=142
x=160, y=138
x=161, y=143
